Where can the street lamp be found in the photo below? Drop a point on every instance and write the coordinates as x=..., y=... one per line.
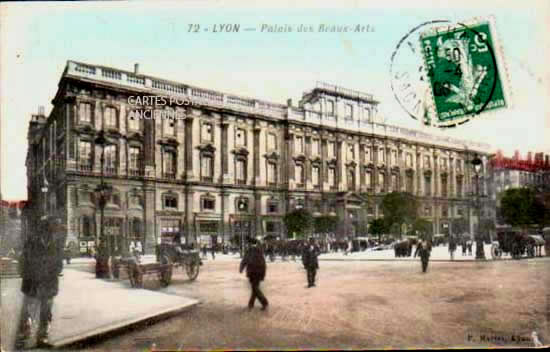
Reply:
x=480, y=253
x=102, y=270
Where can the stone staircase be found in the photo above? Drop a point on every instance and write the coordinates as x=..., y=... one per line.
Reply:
x=8, y=268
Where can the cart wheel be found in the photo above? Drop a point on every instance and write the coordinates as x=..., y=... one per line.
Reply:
x=192, y=269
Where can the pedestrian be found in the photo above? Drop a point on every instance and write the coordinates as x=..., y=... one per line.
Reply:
x=469, y=245
x=423, y=250
x=204, y=251
x=213, y=250
x=254, y=262
x=42, y=262
x=452, y=247
x=311, y=263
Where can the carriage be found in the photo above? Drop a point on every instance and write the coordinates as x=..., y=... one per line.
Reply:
x=517, y=244
x=187, y=259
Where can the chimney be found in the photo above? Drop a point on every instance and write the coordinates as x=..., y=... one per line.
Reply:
x=136, y=69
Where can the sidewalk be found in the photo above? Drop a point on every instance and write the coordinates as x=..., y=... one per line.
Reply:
x=439, y=254
x=86, y=306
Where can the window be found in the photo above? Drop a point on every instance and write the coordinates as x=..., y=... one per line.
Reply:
x=240, y=171
x=444, y=211
x=427, y=185
x=459, y=211
x=206, y=167
x=427, y=210
x=110, y=159
x=409, y=160
x=382, y=183
x=394, y=182
x=134, y=122
x=349, y=111
x=169, y=164
x=330, y=108
x=169, y=124
x=111, y=117
x=299, y=168
x=458, y=164
x=459, y=187
x=271, y=172
x=368, y=154
x=207, y=135
x=113, y=226
x=85, y=155
x=171, y=201
x=351, y=179
x=315, y=171
x=394, y=157
x=208, y=203
x=368, y=179
x=315, y=147
x=85, y=112
x=381, y=155
x=444, y=187
x=168, y=230
x=87, y=227
x=271, y=141
x=427, y=161
x=134, y=160
x=240, y=137
x=331, y=150
x=351, y=151
x=299, y=148
x=135, y=229
x=443, y=163
x=242, y=204
x=409, y=184
x=332, y=177
x=272, y=207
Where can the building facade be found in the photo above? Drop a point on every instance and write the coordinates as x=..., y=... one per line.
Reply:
x=225, y=165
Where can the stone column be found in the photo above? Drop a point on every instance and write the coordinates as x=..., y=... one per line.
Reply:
x=224, y=152
x=361, y=167
x=190, y=236
x=256, y=151
x=189, y=148
x=258, y=213
x=149, y=217
x=340, y=171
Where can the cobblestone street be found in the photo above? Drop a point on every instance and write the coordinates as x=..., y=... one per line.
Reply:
x=356, y=305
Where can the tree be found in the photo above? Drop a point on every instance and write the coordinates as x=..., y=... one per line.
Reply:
x=298, y=222
x=520, y=207
x=378, y=227
x=422, y=227
x=399, y=208
x=325, y=224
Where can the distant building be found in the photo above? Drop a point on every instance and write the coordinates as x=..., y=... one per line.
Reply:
x=229, y=165
x=516, y=172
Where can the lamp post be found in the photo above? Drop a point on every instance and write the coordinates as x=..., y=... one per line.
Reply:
x=102, y=269
x=480, y=252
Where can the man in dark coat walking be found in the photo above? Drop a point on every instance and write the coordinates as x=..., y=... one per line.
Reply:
x=423, y=249
x=310, y=261
x=254, y=262
x=42, y=262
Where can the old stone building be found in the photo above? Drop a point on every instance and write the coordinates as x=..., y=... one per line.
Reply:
x=226, y=165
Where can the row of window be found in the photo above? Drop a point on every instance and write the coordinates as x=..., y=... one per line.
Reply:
x=299, y=148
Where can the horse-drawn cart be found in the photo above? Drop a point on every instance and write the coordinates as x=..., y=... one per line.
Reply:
x=517, y=244
x=136, y=271
x=188, y=259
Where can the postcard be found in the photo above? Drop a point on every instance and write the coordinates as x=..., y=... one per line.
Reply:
x=231, y=175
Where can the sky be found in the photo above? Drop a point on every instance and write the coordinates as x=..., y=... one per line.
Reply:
x=37, y=39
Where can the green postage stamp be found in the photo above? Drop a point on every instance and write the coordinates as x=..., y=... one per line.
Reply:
x=466, y=71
